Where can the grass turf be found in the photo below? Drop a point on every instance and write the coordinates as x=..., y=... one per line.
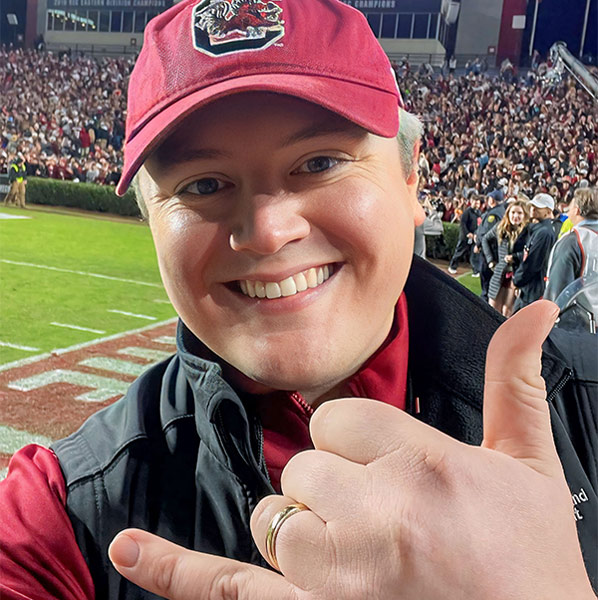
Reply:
x=471, y=283
x=31, y=298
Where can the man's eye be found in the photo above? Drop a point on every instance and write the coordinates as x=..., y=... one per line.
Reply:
x=318, y=164
x=204, y=187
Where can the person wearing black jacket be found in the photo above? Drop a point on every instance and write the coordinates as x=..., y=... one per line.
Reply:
x=491, y=217
x=529, y=276
x=467, y=229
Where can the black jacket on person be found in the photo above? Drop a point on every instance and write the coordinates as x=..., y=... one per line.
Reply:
x=181, y=454
x=490, y=218
x=469, y=222
x=495, y=252
x=530, y=275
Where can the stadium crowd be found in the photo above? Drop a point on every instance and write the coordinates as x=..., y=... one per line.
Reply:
x=487, y=137
x=65, y=114
x=484, y=134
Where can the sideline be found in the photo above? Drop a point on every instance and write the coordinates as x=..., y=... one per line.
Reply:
x=71, y=211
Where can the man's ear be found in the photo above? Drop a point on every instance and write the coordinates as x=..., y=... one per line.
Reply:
x=413, y=185
x=413, y=179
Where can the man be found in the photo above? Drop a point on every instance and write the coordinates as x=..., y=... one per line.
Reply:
x=283, y=212
x=17, y=177
x=467, y=229
x=576, y=253
x=492, y=215
x=529, y=276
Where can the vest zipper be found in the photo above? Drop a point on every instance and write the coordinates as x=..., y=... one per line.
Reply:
x=262, y=466
x=560, y=384
x=230, y=449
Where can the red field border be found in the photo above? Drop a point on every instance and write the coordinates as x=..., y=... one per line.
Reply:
x=46, y=397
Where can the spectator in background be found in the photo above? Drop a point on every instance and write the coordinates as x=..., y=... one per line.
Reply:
x=492, y=215
x=17, y=177
x=85, y=140
x=576, y=253
x=467, y=228
x=497, y=244
x=530, y=273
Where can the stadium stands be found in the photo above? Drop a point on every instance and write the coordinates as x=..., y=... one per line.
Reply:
x=483, y=133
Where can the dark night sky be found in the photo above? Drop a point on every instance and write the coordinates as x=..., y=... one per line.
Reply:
x=562, y=20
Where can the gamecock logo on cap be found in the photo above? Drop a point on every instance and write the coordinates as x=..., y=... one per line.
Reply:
x=225, y=26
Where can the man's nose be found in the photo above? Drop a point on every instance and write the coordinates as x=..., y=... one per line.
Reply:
x=265, y=223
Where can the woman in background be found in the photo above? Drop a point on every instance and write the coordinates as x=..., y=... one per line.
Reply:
x=497, y=244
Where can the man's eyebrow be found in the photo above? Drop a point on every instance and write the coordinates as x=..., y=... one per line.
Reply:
x=168, y=157
x=322, y=129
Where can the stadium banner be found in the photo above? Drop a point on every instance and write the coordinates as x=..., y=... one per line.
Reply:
x=99, y=4
x=396, y=6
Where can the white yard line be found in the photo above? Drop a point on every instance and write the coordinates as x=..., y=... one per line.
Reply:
x=463, y=275
x=26, y=361
x=86, y=273
x=160, y=301
x=18, y=347
x=7, y=216
x=130, y=314
x=166, y=339
x=77, y=327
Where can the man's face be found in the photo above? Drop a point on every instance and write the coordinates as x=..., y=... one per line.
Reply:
x=262, y=193
x=539, y=214
x=574, y=213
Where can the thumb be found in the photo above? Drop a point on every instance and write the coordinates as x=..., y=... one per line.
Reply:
x=173, y=572
x=516, y=414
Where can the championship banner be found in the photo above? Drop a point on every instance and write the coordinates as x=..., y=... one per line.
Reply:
x=396, y=6
x=103, y=4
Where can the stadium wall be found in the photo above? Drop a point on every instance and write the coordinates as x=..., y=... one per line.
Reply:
x=509, y=43
x=412, y=46
x=479, y=26
x=74, y=39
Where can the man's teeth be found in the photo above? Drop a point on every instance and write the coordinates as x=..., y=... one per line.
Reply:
x=287, y=287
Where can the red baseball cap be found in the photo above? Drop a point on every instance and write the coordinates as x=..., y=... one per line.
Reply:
x=322, y=51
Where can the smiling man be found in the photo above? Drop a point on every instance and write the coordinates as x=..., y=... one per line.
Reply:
x=271, y=244
x=273, y=159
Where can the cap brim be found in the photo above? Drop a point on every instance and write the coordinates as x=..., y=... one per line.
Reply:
x=373, y=109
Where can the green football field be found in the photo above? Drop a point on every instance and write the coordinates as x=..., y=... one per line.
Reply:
x=69, y=279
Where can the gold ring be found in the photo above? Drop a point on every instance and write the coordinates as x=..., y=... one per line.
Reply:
x=275, y=524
